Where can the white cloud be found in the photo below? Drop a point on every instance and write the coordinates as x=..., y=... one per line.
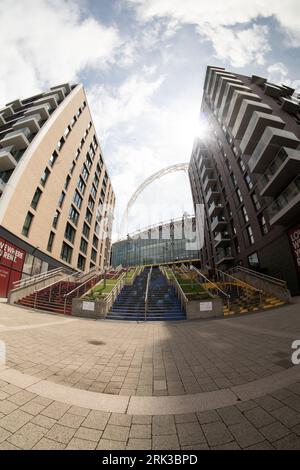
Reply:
x=44, y=42
x=238, y=47
x=279, y=73
x=216, y=18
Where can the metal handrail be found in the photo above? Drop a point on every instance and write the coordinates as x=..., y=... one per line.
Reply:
x=110, y=298
x=94, y=276
x=210, y=282
x=179, y=290
x=37, y=277
x=64, y=279
x=262, y=276
x=147, y=292
x=239, y=280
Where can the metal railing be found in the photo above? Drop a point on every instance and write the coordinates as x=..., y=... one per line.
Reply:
x=179, y=291
x=264, y=277
x=215, y=288
x=82, y=288
x=111, y=297
x=244, y=284
x=38, y=277
x=147, y=292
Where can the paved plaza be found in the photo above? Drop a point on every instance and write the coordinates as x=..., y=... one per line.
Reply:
x=73, y=383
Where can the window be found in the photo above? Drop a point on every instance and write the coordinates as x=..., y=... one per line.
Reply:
x=91, y=203
x=81, y=185
x=96, y=181
x=263, y=224
x=88, y=163
x=60, y=144
x=36, y=198
x=93, y=191
x=86, y=230
x=85, y=173
x=72, y=123
x=77, y=154
x=95, y=141
x=61, y=199
x=233, y=179
x=67, y=182
x=50, y=241
x=55, y=219
x=73, y=215
x=81, y=262
x=77, y=199
x=253, y=260
x=91, y=152
x=84, y=105
x=97, y=228
x=72, y=167
x=83, y=245
x=70, y=233
x=250, y=235
x=255, y=201
x=81, y=143
x=27, y=224
x=44, y=177
x=245, y=214
x=66, y=252
x=78, y=112
x=239, y=196
x=67, y=131
x=248, y=182
x=88, y=216
x=242, y=165
x=53, y=158
x=95, y=241
x=237, y=246
x=93, y=255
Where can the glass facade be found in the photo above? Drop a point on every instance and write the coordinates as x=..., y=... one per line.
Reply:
x=161, y=244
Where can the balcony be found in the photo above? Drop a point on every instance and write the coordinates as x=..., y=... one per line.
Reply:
x=219, y=224
x=42, y=110
x=290, y=106
x=204, y=161
x=31, y=122
x=257, y=126
x=209, y=78
x=215, y=84
x=224, y=256
x=222, y=240
x=245, y=114
x=215, y=209
x=7, y=111
x=275, y=91
x=63, y=89
x=257, y=80
x=209, y=183
x=2, y=120
x=7, y=159
x=2, y=186
x=212, y=196
x=207, y=171
x=281, y=171
x=229, y=90
x=222, y=87
x=20, y=139
x=51, y=100
x=286, y=208
x=268, y=146
x=235, y=105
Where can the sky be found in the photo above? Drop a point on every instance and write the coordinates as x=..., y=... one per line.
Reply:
x=142, y=63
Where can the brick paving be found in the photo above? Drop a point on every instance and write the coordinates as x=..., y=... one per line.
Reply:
x=148, y=359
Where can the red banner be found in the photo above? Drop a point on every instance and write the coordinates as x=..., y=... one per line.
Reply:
x=294, y=235
x=11, y=256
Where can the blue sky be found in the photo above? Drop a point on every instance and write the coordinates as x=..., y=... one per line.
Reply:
x=142, y=63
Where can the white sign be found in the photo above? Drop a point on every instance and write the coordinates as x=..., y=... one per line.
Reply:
x=205, y=306
x=88, y=306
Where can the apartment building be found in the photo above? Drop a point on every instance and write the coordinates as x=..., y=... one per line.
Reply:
x=246, y=172
x=56, y=198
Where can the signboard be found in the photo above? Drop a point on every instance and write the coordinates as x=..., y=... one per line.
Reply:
x=294, y=236
x=206, y=306
x=88, y=306
x=11, y=256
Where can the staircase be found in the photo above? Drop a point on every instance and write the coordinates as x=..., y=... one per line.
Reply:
x=52, y=298
x=163, y=303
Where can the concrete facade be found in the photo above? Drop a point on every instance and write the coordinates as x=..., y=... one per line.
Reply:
x=61, y=141
x=245, y=171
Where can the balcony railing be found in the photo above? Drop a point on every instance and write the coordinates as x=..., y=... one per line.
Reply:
x=224, y=256
x=287, y=205
x=218, y=223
